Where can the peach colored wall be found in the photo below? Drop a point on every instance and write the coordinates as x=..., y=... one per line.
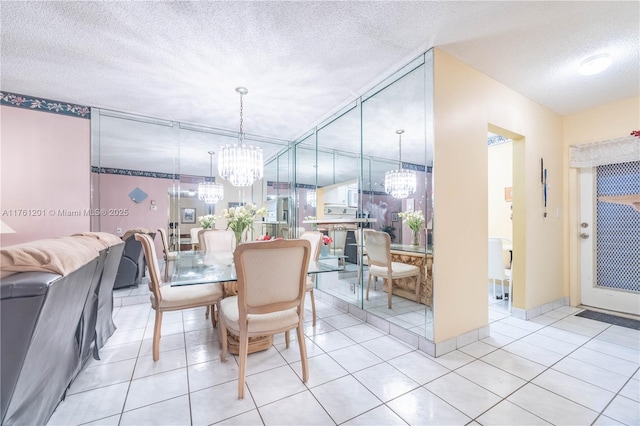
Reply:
x=114, y=198
x=466, y=104
x=608, y=121
x=45, y=169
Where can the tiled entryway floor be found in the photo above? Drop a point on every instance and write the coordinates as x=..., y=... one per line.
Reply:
x=556, y=369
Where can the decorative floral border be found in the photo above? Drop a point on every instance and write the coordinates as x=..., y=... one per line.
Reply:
x=46, y=105
x=416, y=167
x=497, y=140
x=127, y=172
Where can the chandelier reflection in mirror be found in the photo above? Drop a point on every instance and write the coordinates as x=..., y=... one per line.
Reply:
x=400, y=183
x=240, y=164
x=210, y=192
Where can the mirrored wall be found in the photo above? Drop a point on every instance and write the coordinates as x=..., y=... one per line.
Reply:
x=332, y=179
x=343, y=163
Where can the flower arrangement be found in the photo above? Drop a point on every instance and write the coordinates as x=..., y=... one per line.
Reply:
x=415, y=221
x=239, y=219
x=207, y=221
x=264, y=237
x=326, y=240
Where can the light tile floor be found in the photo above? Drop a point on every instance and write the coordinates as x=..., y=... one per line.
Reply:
x=556, y=369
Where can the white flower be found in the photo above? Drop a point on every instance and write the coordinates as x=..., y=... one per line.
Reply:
x=415, y=220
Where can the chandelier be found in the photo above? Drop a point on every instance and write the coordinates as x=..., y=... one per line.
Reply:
x=210, y=192
x=400, y=183
x=240, y=164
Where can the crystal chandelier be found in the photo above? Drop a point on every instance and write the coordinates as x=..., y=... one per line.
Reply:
x=240, y=164
x=210, y=192
x=400, y=183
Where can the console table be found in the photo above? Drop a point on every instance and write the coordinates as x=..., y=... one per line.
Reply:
x=418, y=256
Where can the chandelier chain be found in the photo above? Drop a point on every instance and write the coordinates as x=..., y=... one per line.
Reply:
x=399, y=151
x=241, y=121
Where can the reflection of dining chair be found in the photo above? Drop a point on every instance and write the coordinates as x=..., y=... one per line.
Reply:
x=193, y=233
x=169, y=256
x=167, y=298
x=272, y=285
x=315, y=239
x=378, y=245
x=360, y=245
x=497, y=271
x=339, y=237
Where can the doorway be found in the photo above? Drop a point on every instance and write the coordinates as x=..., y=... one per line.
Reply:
x=500, y=222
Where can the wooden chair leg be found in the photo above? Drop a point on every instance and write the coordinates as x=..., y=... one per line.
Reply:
x=206, y=313
x=242, y=355
x=303, y=354
x=213, y=315
x=157, y=327
x=222, y=330
x=390, y=289
x=313, y=306
x=368, y=283
x=287, y=339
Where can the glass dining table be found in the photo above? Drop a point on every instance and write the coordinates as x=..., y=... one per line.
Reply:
x=194, y=267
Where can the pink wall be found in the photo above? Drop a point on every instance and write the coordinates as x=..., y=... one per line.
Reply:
x=121, y=212
x=45, y=169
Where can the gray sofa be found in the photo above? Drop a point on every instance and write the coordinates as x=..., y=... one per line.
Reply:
x=51, y=320
x=132, y=263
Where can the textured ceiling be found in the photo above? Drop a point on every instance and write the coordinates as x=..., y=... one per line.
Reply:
x=302, y=61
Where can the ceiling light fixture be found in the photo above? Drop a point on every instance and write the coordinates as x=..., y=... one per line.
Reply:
x=210, y=192
x=240, y=164
x=400, y=183
x=595, y=64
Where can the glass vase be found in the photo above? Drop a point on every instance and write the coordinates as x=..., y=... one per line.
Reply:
x=239, y=235
x=416, y=238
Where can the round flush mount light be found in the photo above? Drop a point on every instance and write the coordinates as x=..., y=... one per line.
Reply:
x=595, y=64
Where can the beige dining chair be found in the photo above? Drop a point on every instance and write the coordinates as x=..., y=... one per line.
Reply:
x=193, y=234
x=169, y=256
x=218, y=245
x=315, y=240
x=272, y=283
x=166, y=298
x=378, y=245
x=497, y=271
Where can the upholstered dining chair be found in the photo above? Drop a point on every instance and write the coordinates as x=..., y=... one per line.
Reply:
x=272, y=283
x=378, y=246
x=497, y=271
x=166, y=298
x=193, y=234
x=218, y=245
x=169, y=256
x=315, y=239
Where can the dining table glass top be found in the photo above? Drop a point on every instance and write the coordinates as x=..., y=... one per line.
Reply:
x=194, y=267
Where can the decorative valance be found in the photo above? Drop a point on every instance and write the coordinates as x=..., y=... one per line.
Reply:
x=621, y=150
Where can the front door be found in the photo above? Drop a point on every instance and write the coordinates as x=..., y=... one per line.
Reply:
x=609, y=235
